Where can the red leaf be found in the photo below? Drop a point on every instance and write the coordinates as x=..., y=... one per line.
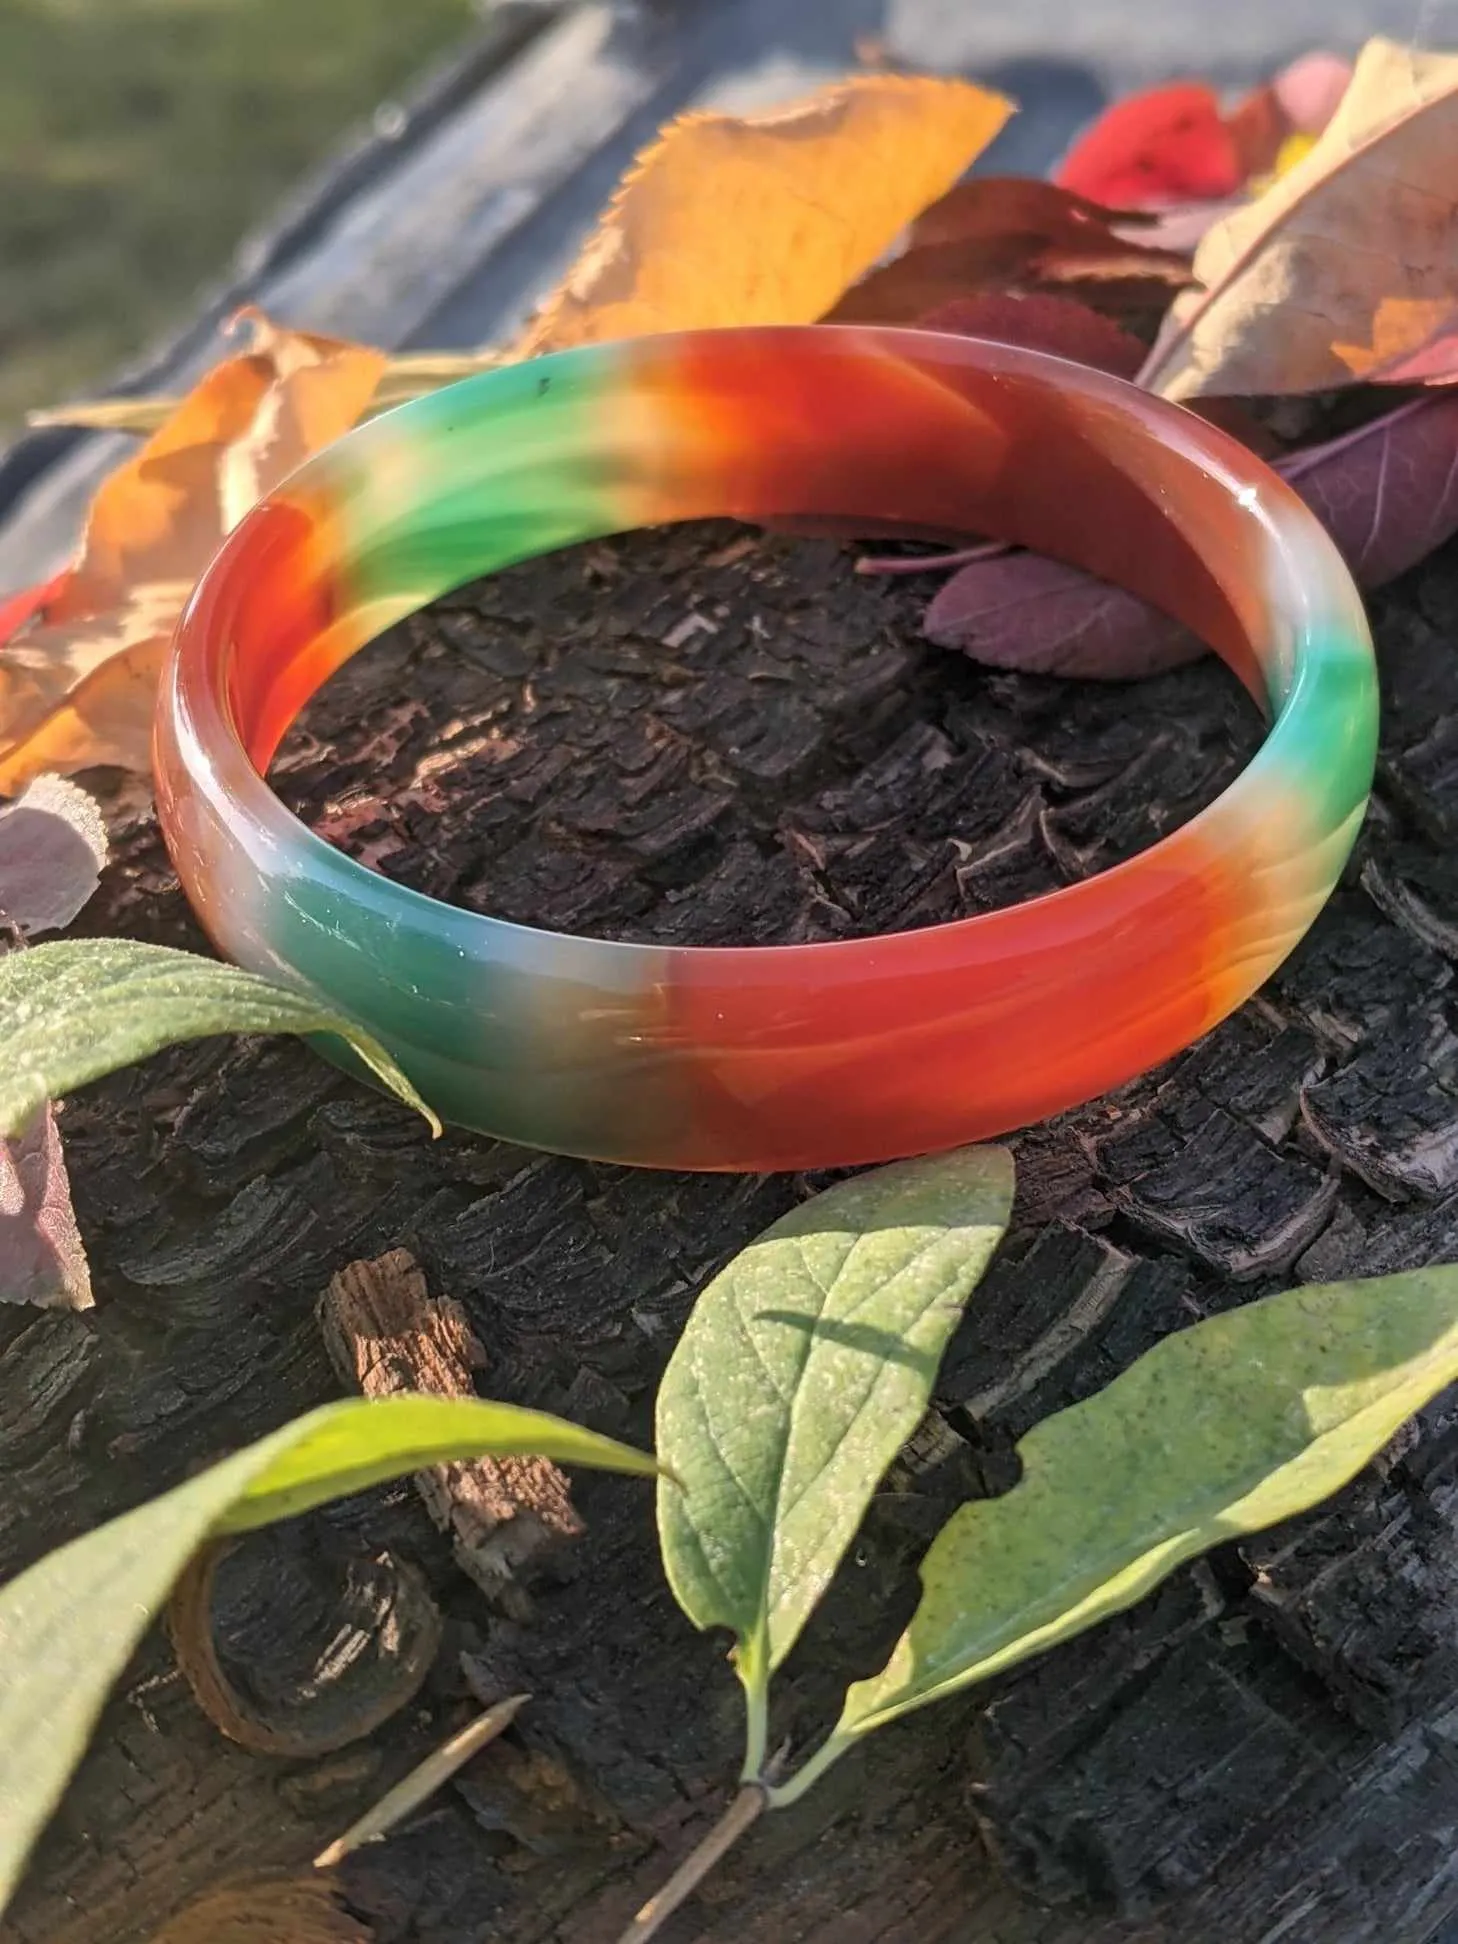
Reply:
x=41, y=1257
x=17, y=609
x=1387, y=493
x=1168, y=145
x=1058, y=325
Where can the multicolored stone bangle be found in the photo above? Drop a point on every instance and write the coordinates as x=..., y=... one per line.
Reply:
x=789, y=1056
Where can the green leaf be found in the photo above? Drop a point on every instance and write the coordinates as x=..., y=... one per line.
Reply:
x=73, y=1011
x=1221, y=1429
x=805, y=1365
x=70, y=1623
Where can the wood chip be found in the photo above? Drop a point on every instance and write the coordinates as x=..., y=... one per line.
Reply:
x=386, y=1334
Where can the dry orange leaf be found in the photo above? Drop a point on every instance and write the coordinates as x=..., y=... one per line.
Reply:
x=1346, y=269
x=77, y=679
x=766, y=218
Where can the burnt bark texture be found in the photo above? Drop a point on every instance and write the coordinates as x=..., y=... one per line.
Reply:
x=710, y=735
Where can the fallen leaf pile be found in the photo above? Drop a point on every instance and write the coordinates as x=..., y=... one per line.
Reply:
x=1345, y=268
x=1233, y=255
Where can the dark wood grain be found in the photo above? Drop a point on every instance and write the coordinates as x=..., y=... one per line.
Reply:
x=712, y=735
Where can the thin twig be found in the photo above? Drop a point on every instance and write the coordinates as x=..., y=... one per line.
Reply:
x=403, y=378
x=1293, y=464
x=930, y=563
x=422, y=1782
x=745, y=1809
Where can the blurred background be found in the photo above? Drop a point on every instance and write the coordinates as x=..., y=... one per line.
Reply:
x=151, y=151
x=140, y=139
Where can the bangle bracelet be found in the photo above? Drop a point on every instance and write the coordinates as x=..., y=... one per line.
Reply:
x=792, y=1056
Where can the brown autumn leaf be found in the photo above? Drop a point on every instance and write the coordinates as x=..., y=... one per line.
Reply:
x=993, y=206
x=997, y=231
x=1387, y=493
x=765, y=218
x=1346, y=268
x=1060, y=326
x=77, y=678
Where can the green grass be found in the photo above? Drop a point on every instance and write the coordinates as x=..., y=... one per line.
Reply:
x=140, y=139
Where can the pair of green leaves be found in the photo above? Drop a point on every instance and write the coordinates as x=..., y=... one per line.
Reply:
x=805, y=1366
x=811, y=1357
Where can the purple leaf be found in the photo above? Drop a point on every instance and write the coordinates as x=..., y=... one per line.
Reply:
x=1025, y=611
x=41, y=1257
x=52, y=848
x=1387, y=493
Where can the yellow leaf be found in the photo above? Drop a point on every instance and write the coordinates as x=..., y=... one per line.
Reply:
x=1345, y=268
x=77, y=680
x=1294, y=148
x=765, y=219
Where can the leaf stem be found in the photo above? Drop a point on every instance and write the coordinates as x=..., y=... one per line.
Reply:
x=809, y=1773
x=423, y=1781
x=756, y=1730
x=746, y=1808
